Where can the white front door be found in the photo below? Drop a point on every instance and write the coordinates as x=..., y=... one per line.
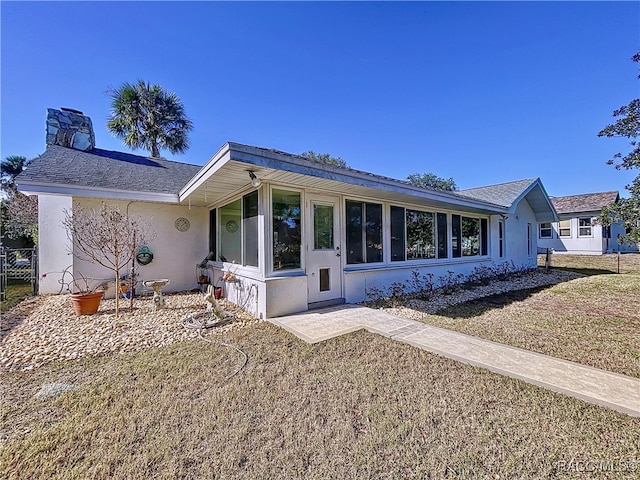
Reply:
x=323, y=259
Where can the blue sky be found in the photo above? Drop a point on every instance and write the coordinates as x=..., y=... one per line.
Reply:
x=481, y=92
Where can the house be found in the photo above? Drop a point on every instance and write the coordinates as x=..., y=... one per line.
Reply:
x=577, y=230
x=289, y=233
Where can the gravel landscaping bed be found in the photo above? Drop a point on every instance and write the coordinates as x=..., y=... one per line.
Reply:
x=415, y=308
x=44, y=329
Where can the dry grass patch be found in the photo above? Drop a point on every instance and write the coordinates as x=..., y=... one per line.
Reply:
x=358, y=406
x=595, y=264
x=591, y=320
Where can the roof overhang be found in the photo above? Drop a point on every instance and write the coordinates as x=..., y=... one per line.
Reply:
x=43, y=188
x=539, y=202
x=226, y=175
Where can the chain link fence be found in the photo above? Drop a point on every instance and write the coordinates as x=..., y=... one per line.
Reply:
x=18, y=265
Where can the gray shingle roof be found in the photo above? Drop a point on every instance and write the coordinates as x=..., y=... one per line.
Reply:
x=108, y=169
x=503, y=194
x=587, y=202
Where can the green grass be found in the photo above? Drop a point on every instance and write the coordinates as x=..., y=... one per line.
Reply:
x=358, y=406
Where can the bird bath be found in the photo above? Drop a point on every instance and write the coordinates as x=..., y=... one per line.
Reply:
x=156, y=286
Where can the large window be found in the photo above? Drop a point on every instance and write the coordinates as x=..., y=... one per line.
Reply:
x=286, y=229
x=250, y=229
x=417, y=235
x=545, y=230
x=564, y=228
x=364, y=232
x=238, y=231
x=421, y=235
x=584, y=227
x=469, y=236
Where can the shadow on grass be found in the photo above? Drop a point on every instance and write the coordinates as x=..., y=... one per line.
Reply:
x=479, y=306
x=586, y=271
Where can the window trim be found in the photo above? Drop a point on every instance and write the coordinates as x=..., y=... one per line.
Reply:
x=502, y=251
x=590, y=227
x=270, y=271
x=363, y=232
x=241, y=227
x=561, y=228
x=541, y=228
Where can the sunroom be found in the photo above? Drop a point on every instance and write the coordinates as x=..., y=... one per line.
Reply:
x=287, y=234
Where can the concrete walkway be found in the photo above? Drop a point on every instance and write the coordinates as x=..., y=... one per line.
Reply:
x=593, y=385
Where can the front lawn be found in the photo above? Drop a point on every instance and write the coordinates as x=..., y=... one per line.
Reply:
x=357, y=406
x=593, y=320
x=595, y=264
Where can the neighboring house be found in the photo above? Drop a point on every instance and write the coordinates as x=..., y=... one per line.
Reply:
x=577, y=230
x=294, y=233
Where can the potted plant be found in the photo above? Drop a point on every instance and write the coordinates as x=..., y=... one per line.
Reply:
x=85, y=300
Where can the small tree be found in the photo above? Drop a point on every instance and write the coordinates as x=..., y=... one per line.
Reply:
x=627, y=210
x=430, y=180
x=108, y=237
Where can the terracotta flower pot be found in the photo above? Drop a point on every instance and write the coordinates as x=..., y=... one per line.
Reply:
x=86, y=303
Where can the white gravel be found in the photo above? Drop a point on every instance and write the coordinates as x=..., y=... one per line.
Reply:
x=415, y=308
x=44, y=329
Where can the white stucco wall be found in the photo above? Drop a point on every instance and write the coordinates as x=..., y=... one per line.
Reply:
x=54, y=249
x=264, y=298
x=176, y=253
x=516, y=236
x=357, y=283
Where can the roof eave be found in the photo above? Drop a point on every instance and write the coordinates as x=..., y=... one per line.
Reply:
x=253, y=156
x=43, y=188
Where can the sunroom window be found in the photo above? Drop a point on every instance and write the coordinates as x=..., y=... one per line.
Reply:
x=469, y=236
x=287, y=235
x=417, y=235
x=364, y=232
x=238, y=231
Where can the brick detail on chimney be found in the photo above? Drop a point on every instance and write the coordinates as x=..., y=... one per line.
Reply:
x=69, y=128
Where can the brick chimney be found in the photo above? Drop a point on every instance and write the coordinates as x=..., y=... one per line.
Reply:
x=70, y=128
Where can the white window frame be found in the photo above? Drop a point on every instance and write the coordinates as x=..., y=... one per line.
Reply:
x=589, y=227
x=541, y=229
x=502, y=246
x=560, y=228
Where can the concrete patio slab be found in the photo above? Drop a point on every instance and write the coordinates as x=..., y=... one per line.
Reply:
x=600, y=387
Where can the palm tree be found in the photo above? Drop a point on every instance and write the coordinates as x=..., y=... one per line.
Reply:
x=147, y=116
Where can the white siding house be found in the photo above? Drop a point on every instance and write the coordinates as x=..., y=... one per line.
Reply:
x=293, y=233
x=577, y=231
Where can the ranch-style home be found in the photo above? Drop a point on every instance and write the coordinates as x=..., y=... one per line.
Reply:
x=577, y=231
x=293, y=233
